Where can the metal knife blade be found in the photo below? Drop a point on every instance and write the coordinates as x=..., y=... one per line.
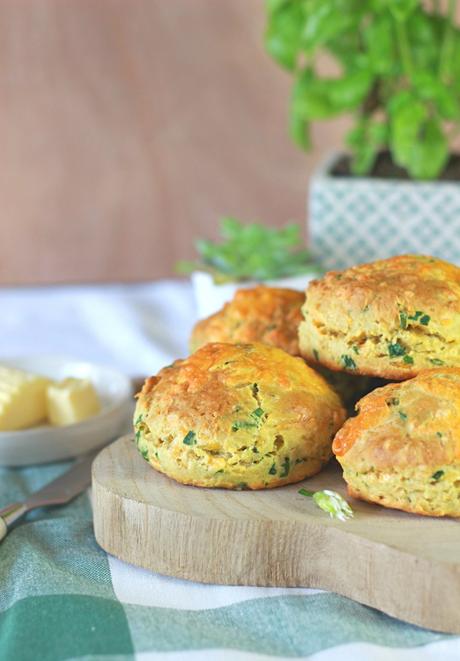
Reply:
x=65, y=487
x=57, y=492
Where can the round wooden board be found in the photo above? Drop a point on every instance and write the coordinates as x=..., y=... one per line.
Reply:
x=405, y=565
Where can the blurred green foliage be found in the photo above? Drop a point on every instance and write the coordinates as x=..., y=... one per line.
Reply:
x=251, y=252
x=399, y=64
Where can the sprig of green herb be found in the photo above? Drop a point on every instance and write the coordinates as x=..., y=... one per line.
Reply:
x=252, y=252
x=330, y=502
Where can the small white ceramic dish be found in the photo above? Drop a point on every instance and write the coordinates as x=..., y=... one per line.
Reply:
x=43, y=444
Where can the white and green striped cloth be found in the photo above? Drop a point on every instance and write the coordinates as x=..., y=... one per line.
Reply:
x=62, y=597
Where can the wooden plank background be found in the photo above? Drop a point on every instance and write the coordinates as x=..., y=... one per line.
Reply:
x=128, y=127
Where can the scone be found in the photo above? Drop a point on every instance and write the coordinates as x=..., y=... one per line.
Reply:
x=390, y=318
x=237, y=416
x=261, y=314
x=272, y=316
x=402, y=450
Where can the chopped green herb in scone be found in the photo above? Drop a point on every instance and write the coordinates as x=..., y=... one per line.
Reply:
x=243, y=424
x=408, y=360
x=395, y=350
x=437, y=476
x=190, y=438
x=348, y=362
x=285, y=467
x=256, y=421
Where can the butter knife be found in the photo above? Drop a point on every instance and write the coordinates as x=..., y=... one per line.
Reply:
x=58, y=492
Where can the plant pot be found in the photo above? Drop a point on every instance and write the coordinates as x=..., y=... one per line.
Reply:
x=210, y=297
x=360, y=219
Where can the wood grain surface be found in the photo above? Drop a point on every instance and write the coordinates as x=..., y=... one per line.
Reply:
x=405, y=565
x=128, y=128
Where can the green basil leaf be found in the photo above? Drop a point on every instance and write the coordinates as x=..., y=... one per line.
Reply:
x=379, y=37
x=311, y=97
x=430, y=152
x=299, y=130
x=401, y=9
x=430, y=88
x=326, y=20
x=366, y=139
x=284, y=32
x=407, y=119
x=348, y=92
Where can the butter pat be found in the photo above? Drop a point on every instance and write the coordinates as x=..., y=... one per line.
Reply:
x=71, y=401
x=22, y=399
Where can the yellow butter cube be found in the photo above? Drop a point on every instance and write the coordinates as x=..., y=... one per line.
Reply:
x=71, y=401
x=22, y=399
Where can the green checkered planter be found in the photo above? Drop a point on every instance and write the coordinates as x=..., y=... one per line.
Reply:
x=354, y=220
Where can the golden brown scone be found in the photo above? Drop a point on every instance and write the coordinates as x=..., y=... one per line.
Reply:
x=390, y=318
x=402, y=450
x=261, y=314
x=237, y=416
x=272, y=316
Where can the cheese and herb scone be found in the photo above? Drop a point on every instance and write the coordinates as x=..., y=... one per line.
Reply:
x=402, y=450
x=70, y=401
x=260, y=314
x=271, y=315
x=22, y=399
x=390, y=318
x=237, y=416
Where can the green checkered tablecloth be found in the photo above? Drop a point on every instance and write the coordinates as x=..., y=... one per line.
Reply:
x=62, y=598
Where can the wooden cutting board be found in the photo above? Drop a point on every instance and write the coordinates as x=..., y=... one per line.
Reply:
x=405, y=565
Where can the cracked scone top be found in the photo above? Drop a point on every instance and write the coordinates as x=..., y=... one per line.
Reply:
x=402, y=450
x=237, y=416
x=260, y=314
x=389, y=318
